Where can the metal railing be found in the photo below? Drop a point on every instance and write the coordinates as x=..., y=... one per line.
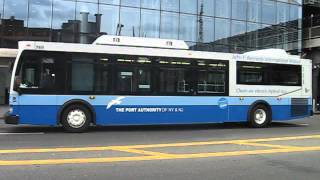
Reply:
x=311, y=28
x=312, y=3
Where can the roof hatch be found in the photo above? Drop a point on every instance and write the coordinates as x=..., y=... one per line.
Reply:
x=140, y=42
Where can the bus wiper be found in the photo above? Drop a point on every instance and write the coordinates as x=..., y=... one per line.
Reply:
x=289, y=92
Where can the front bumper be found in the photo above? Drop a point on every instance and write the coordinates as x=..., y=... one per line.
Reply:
x=11, y=119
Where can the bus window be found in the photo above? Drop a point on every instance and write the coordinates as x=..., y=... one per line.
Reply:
x=37, y=72
x=82, y=77
x=125, y=81
x=211, y=77
x=268, y=74
x=175, y=80
x=133, y=75
x=143, y=80
x=29, y=76
x=175, y=76
x=47, y=76
x=251, y=73
x=101, y=84
x=288, y=75
x=211, y=81
x=82, y=73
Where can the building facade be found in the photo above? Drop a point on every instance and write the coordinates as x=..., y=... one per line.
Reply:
x=208, y=25
x=311, y=42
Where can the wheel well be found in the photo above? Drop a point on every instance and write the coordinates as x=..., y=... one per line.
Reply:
x=260, y=102
x=78, y=102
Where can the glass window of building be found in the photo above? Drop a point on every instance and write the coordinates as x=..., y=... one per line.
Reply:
x=253, y=34
x=223, y=8
x=40, y=12
x=206, y=7
x=207, y=34
x=150, y=4
x=222, y=30
x=93, y=1
x=268, y=12
x=188, y=27
x=238, y=37
x=63, y=21
x=1, y=9
x=115, y=2
x=239, y=9
x=169, y=25
x=150, y=21
x=294, y=12
x=17, y=10
x=129, y=21
x=63, y=12
x=283, y=12
x=238, y=27
x=170, y=5
x=188, y=6
x=14, y=22
x=131, y=3
x=254, y=10
x=40, y=19
x=295, y=17
x=109, y=19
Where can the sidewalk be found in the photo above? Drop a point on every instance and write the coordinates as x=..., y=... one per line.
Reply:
x=3, y=110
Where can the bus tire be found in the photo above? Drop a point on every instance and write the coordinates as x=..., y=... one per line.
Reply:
x=76, y=118
x=260, y=116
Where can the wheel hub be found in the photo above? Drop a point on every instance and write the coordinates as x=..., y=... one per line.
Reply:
x=260, y=116
x=76, y=118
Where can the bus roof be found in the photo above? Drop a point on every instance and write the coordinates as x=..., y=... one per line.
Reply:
x=266, y=56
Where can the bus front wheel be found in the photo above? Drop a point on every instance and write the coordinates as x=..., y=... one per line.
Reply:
x=260, y=116
x=76, y=118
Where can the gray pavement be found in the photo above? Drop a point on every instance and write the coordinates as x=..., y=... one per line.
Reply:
x=3, y=110
x=208, y=152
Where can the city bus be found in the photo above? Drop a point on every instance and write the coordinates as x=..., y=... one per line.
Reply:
x=143, y=81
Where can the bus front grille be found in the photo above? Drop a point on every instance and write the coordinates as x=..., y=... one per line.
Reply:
x=299, y=107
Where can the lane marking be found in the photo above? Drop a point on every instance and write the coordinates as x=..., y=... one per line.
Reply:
x=37, y=133
x=305, y=124
x=46, y=150
x=143, y=152
x=267, y=145
x=149, y=158
x=224, y=142
x=102, y=148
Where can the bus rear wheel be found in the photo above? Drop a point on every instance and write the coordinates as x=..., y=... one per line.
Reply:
x=76, y=118
x=260, y=116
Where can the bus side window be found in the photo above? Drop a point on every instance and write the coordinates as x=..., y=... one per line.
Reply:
x=29, y=77
x=47, y=77
x=82, y=74
x=133, y=75
x=40, y=72
x=212, y=77
x=175, y=76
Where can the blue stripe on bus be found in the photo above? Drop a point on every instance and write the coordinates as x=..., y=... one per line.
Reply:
x=47, y=115
x=149, y=100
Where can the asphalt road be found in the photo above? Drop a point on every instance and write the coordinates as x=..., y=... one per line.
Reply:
x=288, y=151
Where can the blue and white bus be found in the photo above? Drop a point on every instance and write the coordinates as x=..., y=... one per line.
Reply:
x=141, y=81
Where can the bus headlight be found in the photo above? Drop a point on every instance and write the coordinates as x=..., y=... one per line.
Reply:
x=10, y=109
